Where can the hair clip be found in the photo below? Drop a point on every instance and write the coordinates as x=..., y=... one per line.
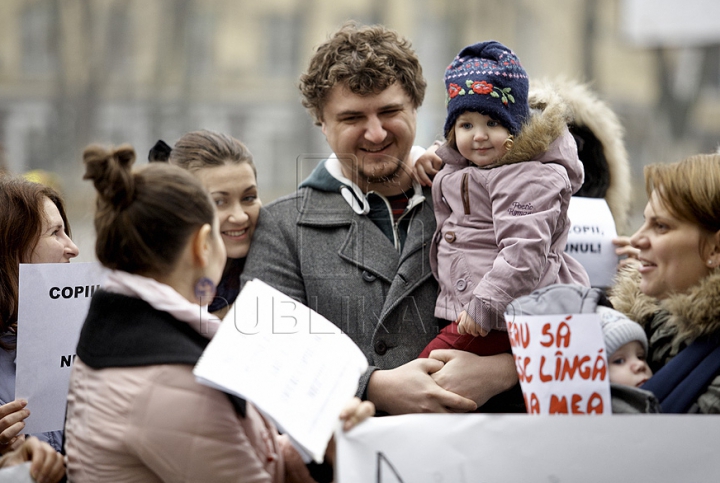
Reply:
x=160, y=153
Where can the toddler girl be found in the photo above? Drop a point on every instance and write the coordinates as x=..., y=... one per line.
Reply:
x=500, y=199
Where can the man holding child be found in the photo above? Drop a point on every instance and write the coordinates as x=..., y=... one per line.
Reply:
x=352, y=242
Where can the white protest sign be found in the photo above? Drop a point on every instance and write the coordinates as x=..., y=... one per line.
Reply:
x=479, y=448
x=590, y=238
x=297, y=367
x=53, y=302
x=561, y=363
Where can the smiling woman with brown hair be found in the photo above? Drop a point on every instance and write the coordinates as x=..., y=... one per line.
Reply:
x=33, y=229
x=226, y=170
x=675, y=289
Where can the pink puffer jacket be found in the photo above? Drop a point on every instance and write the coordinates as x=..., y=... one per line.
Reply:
x=157, y=424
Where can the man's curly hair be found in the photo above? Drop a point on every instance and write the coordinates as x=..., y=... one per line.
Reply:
x=367, y=60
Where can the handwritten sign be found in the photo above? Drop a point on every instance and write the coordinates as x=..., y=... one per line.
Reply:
x=590, y=239
x=561, y=363
x=53, y=302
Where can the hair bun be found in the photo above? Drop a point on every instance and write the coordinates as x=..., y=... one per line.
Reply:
x=110, y=171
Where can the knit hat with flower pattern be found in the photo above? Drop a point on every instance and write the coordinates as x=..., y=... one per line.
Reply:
x=487, y=78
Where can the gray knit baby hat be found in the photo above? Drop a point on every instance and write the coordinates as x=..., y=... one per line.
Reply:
x=618, y=330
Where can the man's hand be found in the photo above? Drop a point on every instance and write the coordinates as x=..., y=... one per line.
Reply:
x=474, y=377
x=427, y=166
x=410, y=388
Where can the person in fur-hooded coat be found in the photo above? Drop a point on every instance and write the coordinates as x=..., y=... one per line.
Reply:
x=674, y=290
x=502, y=228
x=672, y=324
x=600, y=139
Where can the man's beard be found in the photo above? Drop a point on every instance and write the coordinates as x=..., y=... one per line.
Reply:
x=385, y=172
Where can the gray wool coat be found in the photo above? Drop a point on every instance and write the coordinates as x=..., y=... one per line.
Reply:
x=313, y=247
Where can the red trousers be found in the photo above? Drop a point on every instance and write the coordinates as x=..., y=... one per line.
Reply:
x=496, y=342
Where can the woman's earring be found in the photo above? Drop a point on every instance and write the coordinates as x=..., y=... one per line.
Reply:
x=710, y=263
x=204, y=290
x=509, y=142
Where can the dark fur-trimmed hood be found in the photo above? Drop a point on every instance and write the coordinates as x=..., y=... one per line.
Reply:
x=695, y=313
x=587, y=110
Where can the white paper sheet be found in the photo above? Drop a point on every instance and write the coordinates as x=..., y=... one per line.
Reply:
x=17, y=474
x=53, y=302
x=477, y=448
x=289, y=361
x=561, y=363
x=590, y=239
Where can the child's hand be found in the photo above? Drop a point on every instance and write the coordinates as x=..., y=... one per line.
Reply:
x=355, y=412
x=427, y=166
x=466, y=325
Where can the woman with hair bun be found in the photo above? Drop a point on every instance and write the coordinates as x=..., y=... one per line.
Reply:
x=33, y=229
x=135, y=411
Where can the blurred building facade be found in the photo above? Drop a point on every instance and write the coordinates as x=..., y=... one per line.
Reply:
x=112, y=71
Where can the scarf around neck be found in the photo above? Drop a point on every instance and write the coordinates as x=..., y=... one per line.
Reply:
x=164, y=298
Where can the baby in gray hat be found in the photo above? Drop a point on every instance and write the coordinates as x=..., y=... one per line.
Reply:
x=626, y=345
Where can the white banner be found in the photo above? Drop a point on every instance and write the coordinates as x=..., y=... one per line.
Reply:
x=590, y=239
x=53, y=302
x=477, y=448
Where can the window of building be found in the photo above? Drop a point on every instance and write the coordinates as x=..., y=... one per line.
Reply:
x=282, y=34
x=119, y=38
x=200, y=43
x=39, y=37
